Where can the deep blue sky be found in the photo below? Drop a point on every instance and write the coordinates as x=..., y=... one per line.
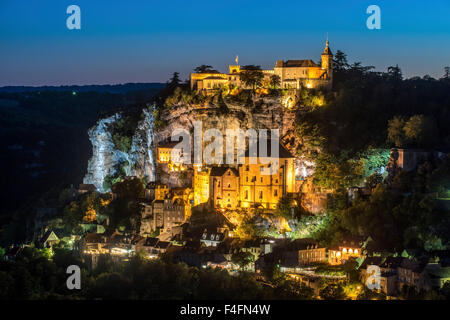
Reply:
x=145, y=41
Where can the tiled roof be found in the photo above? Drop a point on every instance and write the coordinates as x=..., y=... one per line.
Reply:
x=299, y=63
x=282, y=151
x=151, y=242
x=87, y=187
x=220, y=171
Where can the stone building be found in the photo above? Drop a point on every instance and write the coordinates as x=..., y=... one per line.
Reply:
x=293, y=74
x=341, y=254
x=162, y=214
x=224, y=187
x=171, y=155
x=201, y=185
x=263, y=185
x=304, y=252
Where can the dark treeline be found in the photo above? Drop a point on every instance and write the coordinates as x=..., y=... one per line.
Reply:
x=34, y=276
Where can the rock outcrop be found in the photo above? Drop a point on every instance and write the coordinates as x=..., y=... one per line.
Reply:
x=107, y=159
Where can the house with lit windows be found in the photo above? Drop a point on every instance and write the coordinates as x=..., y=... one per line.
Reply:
x=263, y=184
x=293, y=74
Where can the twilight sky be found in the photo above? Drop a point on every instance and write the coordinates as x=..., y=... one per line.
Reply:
x=145, y=41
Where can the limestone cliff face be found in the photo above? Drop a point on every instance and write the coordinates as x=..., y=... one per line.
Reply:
x=107, y=159
x=265, y=113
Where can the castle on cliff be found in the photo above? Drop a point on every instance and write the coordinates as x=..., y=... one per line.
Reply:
x=293, y=74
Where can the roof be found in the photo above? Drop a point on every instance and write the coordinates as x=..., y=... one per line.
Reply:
x=212, y=236
x=220, y=171
x=282, y=151
x=371, y=261
x=87, y=187
x=303, y=244
x=151, y=242
x=168, y=144
x=299, y=63
x=94, y=238
x=47, y=235
x=214, y=78
x=392, y=262
x=192, y=245
x=163, y=244
x=327, y=50
x=14, y=251
x=441, y=273
x=413, y=265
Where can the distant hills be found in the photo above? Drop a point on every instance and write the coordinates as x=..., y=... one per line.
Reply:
x=115, y=88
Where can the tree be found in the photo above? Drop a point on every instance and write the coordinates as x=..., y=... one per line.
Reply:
x=284, y=206
x=340, y=61
x=373, y=180
x=130, y=188
x=396, y=135
x=242, y=259
x=289, y=289
x=446, y=73
x=252, y=76
x=275, y=81
x=420, y=131
x=175, y=80
x=395, y=73
x=332, y=291
x=204, y=69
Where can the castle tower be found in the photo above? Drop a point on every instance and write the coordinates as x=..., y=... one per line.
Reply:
x=327, y=61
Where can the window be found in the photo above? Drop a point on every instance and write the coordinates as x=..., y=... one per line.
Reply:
x=246, y=179
x=247, y=168
x=246, y=194
x=275, y=193
x=260, y=194
x=229, y=185
x=262, y=180
x=276, y=180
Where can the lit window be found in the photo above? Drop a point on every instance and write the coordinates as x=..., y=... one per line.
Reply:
x=344, y=250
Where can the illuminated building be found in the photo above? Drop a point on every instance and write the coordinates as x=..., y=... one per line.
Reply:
x=265, y=190
x=170, y=155
x=201, y=185
x=341, y=254
x=293, y=74
x=224, y=187
x=161, y=191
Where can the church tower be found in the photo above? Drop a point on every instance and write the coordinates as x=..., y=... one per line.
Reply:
x=327, y=61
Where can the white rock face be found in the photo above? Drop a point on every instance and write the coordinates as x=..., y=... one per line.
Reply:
x=106, y=158
x=141, y=157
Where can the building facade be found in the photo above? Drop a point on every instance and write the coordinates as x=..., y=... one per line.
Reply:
x=293, y=74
